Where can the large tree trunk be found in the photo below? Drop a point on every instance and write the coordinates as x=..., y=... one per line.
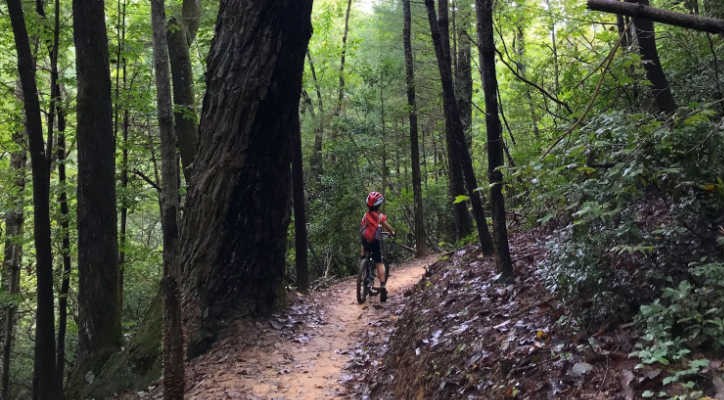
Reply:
x=453, y=126
x=237, y=209
x=414, y=145
x=486, y=55
x=181, y=34
x=45, y=385
x=652, y=65
x=12, y=260
x=98, y=290
x=173, y=358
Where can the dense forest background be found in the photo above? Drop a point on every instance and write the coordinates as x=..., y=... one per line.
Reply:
x=623, y=177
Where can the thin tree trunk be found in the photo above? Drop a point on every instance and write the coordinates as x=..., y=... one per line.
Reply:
x=443, y=26
x=455, y=135
x=625, y=32
x=715, y=67
x=464, y=74
x=385, y=169
x=237, y=209
x=173, y=358
x=124, y=170
x=316, y=160
x=652, y=65
x=98, y=290
x=463, y=223
x=119, y=54
x=414, y=145
x=522, y=67
x=13, y=255
x=340, y=90
x=554, y=49
x=45, y=385
x=180, y=35
x=65, y=251
x=56, y=108
x=486, y=56
x=300, y=218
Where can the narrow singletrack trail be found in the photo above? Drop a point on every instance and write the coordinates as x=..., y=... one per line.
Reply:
x=301, y=354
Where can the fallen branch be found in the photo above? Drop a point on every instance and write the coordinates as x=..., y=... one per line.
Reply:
x=696, y=22
x=147, y=179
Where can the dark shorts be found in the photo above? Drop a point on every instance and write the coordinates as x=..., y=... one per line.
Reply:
x=373, y=248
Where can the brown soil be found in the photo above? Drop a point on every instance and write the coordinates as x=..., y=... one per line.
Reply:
x=462, y=335
x=302, y=353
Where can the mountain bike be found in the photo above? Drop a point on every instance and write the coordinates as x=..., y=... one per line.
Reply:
x=367, y=273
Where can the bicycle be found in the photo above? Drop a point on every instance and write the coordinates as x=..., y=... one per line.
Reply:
x=366, y=274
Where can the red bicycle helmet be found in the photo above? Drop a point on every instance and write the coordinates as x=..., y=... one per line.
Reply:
x=374, y=199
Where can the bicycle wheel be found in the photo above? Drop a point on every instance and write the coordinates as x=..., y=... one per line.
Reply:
x=361, y=282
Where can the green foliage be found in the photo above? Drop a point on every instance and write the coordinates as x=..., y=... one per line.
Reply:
x=687, y=317
x=633, y=192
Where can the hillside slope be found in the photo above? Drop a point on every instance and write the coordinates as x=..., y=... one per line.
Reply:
x=462, y=336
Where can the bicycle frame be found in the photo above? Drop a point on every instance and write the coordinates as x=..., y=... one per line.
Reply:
x=367, y=273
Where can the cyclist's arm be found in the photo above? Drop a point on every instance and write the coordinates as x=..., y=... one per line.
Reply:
x=388, y=227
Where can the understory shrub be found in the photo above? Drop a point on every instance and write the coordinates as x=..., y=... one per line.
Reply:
x=634, y=201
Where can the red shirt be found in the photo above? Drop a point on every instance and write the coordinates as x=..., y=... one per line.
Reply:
x=370, y=224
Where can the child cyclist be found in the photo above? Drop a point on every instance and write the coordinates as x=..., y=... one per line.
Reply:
x=370, y=228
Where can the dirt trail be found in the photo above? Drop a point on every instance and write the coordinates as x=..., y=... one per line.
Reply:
x=301, y=354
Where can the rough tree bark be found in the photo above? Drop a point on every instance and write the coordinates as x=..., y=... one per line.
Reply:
x=173, y=357
x=453, y=126
x=237, y=209
x=98, y=284
x=180, y=34
x=652, y=65
x=486, y=56
x=414, y=144
x=13, y=255
x=45, y=385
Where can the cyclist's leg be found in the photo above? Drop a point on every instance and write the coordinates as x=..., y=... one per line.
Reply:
x=381, y=273
x=376, y=249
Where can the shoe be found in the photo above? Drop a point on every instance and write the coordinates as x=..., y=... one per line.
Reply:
x=383, y=294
